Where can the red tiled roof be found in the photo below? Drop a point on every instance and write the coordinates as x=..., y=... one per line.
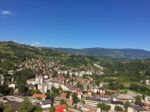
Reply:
x=64, y=106
x=39, y=96
x=60, y=108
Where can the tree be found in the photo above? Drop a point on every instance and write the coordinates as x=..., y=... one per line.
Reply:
x=82, y=101
x=22, y=88
x=8, y=108
x=21, y=77
x=75, y=98
x=54, y=91
x=75, y=106
x=118, y=109
x=68, y=94
x=115, y=85
x=143, y=97
x=138, y=100
x=37, y=109
x=52, y=109
x=1, y=107
x=107, y=108
x=79, y=86
x=31, y=92
x=126, y=105
x=104, y=107
x=62, y=102
x=26, y=106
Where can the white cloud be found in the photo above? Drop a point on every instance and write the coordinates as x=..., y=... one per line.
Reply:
x=6, y=13
x=36, y=44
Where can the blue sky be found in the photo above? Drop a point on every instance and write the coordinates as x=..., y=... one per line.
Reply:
x=77, y=23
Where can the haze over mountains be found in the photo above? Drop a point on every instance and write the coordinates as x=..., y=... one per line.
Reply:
x=105, y=52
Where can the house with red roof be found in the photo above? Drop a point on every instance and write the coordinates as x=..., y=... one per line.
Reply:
x=61, y=108
x=40, y=96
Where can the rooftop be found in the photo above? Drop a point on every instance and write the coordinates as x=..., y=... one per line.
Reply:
x=45, y=102
x=42, y=96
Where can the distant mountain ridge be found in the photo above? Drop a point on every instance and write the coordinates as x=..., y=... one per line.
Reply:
x=15, y=49
x=113, y=53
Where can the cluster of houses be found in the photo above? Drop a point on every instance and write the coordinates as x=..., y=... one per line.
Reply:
x=45, y=83
x=49, y=67
x=40, y=100
x=89, y=105
x=92, y=95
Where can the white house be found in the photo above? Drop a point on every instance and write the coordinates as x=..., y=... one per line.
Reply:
x=64, y=87
x=65, y=72
x=45, y=76
x=88, y=108
x=147, y=82
x=46, y=104
x=56, y=85
x=76, y=74
x=43, y=88
x=81, y=74
x=39, y=79
x=1, y=79
x=10, y=72
x=31, y=82
x=12, y=85
x=89, y=73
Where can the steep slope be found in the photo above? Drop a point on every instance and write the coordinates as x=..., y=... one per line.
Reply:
x=14, y=50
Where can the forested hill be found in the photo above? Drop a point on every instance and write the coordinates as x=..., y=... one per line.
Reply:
x=19, y=50
x=112, y=53
x=15, y=50
x=12, y=51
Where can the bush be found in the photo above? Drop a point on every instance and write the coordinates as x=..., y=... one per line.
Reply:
x=118, y=109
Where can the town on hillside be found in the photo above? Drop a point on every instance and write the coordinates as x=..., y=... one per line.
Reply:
x=74, y=55
x=39, y=85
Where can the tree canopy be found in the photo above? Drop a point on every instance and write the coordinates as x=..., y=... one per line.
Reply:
x=26, y=106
